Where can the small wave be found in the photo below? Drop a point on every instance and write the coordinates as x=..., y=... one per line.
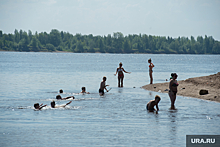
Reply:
x=61, y=107
x=84, y=99
x=208, y=117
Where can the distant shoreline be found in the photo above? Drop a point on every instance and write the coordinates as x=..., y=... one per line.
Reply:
x=191, y=87
x=104, y=53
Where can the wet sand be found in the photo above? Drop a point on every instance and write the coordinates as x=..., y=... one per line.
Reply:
x=191, y=87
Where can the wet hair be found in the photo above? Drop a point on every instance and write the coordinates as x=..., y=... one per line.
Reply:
x=36, y=104
x=58, y=97
x=83, y=88
x=120, y=63
x=52, y=103
x=173, y=74
x=104, y=78
x=149, y=60
x=61, y=91
x=157, y=97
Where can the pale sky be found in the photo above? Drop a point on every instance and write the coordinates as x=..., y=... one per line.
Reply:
x=172, y=18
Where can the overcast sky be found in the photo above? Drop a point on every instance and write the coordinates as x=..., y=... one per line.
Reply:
x=172, y=18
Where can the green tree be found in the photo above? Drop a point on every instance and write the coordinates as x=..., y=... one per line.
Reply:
x=34, y=44
x=55, y=38
x=50, y=47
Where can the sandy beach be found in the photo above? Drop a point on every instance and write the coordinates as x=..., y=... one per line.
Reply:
x=191, y=87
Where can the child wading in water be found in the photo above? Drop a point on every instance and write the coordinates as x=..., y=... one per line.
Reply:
x=120, y=71
x=152, y=103
x=151, y=71
x=103, y=86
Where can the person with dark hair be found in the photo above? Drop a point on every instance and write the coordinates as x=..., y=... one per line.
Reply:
x=84, y=91
x=61, y=91
x=120, y=71
x=173, y=89
x=39, y=107
x=103, y=86
x=151, y=66
x=58, y=97
x=53, y=104
x=152, y=103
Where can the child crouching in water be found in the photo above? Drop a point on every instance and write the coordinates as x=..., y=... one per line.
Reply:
x=152, y=103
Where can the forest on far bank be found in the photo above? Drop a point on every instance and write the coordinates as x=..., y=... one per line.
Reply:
x=116, y=43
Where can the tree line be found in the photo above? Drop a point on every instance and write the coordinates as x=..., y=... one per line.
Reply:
x=117, y=43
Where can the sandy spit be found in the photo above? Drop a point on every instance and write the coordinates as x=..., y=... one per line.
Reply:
x=191, y=87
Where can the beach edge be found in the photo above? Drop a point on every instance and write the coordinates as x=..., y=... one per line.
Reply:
x=191, y=87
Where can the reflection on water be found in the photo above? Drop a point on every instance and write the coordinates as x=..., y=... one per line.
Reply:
x=119, y=118
x=120, y=90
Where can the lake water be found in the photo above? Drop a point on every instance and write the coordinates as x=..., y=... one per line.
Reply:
x=117, y=119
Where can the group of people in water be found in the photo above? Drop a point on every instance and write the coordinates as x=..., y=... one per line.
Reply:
x=38, y=106
x=120, y=71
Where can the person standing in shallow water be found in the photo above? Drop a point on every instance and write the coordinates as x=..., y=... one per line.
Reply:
x=173, y=89
x=120, y=71
x=151, y=71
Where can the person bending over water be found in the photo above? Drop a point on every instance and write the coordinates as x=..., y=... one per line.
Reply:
x=53, y=104
x=39, y=107
x=173, y=89
x=151, y=71
x=120, y=71
x=103, y=86
x=152, y=103
x=84, y=91
x=58, y=97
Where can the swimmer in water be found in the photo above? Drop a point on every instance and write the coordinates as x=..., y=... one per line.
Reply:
x=84, y=91
x=120, y=71
x=152, y=103
x=173, y=89
x=61, y=91
x=53, y=104
x=103, y=86
x=151, y=71
x=58, y=97
x=39, y=107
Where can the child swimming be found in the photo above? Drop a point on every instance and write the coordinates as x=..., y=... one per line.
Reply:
x=53, y=104
x=39, y=107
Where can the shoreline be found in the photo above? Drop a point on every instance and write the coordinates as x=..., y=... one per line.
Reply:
x=104, y=53
x=191, y=87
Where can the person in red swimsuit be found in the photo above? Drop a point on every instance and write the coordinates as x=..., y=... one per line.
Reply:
x=120, y=71
x=151, y=71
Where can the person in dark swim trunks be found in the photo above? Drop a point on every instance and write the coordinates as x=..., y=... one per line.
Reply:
x=103, y=86
x=120, y=71
x=152, y=103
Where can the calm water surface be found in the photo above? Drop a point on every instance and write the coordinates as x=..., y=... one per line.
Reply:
x=117, y=119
